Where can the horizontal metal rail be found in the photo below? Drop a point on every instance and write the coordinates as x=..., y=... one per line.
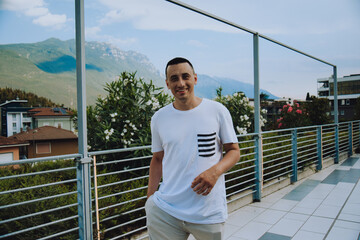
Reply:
x=240, y=181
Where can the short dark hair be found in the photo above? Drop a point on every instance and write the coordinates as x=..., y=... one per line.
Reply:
x=177, y=60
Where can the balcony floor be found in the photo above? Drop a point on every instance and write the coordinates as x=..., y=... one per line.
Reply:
x=325, y=205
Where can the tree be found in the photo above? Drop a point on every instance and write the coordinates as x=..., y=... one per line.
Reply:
x=7, y=94
x=318, y=110
x=293, y=116
x=240, y=110
x=122, y=118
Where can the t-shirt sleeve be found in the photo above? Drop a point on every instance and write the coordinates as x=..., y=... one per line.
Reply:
x=227, y=132
x=156, y=145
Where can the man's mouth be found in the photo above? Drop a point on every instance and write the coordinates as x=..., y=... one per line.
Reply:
x=181, y=90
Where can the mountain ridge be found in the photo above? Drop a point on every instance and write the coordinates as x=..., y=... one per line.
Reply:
x=48, y=69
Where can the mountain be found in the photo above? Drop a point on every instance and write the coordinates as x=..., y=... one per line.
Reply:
x=206, y=87
x=48, y=68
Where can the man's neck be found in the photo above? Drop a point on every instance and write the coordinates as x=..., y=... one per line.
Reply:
x=187, y=104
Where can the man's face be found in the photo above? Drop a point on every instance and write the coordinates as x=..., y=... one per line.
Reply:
x=181, y=80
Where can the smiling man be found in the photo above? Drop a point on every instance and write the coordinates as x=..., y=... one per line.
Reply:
x=188, y=140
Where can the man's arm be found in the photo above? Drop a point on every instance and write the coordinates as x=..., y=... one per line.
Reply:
x=204, y=183
x=155, y=172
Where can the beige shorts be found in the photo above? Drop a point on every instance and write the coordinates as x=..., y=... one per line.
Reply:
x=162, y=226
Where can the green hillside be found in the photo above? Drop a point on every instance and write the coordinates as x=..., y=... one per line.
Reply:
x=48, y=68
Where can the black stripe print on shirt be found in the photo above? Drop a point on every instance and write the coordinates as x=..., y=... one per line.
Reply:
x=206, y=144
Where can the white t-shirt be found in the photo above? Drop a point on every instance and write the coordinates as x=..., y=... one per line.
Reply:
x=192, y=143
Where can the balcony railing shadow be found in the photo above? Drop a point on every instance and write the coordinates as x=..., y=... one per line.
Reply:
x=39, y=198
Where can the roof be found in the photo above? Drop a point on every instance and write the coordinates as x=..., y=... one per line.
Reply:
x=13, y=101
x=11, y=142
x=45, y=133
x=57, y=111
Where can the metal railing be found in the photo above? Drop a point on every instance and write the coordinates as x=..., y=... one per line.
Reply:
x=39, y=197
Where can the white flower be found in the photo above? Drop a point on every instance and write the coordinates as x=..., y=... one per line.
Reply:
x=113, y=115
x=241, y=130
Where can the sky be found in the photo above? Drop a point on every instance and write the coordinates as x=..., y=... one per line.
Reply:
x=326, y=29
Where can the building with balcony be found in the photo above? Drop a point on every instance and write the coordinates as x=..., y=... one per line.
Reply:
x=17, y=117
x=14, y=117
x=348, y=92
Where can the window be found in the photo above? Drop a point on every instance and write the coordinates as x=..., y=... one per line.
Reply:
x=342, y=112
x=26, y=126
x=343, y=102
x=46, y=124
x=58, y=124
x=6, y=157
x=43, y=148
x=347, y=101
x=14, y=117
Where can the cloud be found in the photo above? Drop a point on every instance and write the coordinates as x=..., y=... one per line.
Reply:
x=158, y=15
x=94, y=33
x=38, y=10
x=49, y=20
x=196, y=43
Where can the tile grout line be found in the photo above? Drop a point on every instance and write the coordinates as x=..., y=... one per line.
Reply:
x=337, y=216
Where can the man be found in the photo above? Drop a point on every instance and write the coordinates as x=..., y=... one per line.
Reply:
x=188, y=139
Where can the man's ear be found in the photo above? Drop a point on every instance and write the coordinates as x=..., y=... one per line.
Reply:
x=167, y=84
x=195, y=78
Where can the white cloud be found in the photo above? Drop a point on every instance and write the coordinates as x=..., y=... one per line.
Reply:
x=49, y=20
x=21, y=5
x=38, y=10
x=196, y=43
x=94, y=33
x=158, y=15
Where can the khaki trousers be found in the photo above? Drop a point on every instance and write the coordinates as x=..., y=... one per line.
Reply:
x=162, y=226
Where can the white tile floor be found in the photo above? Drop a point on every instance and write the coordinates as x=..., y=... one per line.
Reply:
x=328, y=212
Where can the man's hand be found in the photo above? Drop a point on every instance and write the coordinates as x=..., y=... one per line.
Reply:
x=204, y=183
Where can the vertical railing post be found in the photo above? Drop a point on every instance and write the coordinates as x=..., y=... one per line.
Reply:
x=336, y=116
x=294, y=176
x=83, y=164
x=319, y=148
x=350, y=127
x=258, y=138
x=258, y=168
x=336, y=157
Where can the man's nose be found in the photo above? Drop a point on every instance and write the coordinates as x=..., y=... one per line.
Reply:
x=181, y=82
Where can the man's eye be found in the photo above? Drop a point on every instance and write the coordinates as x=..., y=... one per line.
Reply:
x=186, y=76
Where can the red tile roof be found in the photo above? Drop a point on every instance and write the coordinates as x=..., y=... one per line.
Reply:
x=50, y=112
x=4, y=141
x=45, y=133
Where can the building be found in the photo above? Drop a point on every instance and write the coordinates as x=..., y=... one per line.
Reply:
x=48, y=141
x=348, y=92
x=56, y=117
x=14, y=117
x=11, y=149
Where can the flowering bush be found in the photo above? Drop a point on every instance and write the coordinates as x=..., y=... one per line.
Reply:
x=122, y=117
x=241, y=111
x=293, y=116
